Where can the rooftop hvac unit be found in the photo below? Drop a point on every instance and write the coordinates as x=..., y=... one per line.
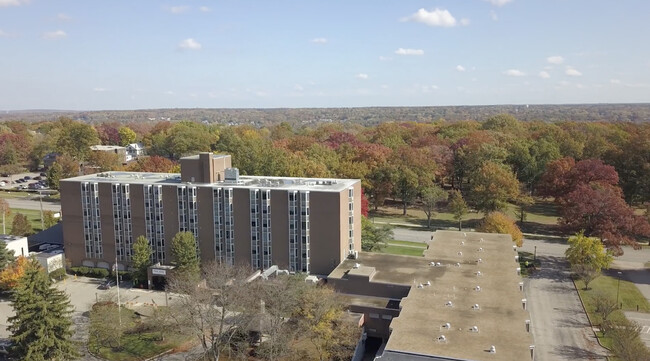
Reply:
x=231, y=174
x=493, y=349
x=356, y=265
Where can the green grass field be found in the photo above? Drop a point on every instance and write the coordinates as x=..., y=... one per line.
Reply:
x=402, y=250
x=407, y=243
x=34, y=217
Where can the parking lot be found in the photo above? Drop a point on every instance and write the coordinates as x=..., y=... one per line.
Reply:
x=31, y=180
x=643, y=319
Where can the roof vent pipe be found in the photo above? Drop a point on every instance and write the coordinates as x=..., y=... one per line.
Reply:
x=523, y=303
x=527, y=325
x=493, y=349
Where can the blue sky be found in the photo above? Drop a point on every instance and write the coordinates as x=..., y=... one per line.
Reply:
x=92, y=55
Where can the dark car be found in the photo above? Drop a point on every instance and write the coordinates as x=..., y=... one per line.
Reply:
x=43, y=174
x=27, y=177
x=37, y=178
x=20, y=180
x=106, y=285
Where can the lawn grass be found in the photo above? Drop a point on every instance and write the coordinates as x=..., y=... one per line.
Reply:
x=401, y=250
x=137, y=345
x=629, y=297
x=407, y=243
x=34, y=217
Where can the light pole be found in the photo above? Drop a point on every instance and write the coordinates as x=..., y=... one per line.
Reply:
x=618, y=288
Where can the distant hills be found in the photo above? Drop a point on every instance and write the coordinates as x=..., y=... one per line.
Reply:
x=635, y=113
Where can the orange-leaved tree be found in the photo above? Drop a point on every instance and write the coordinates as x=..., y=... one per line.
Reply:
x=9, y=276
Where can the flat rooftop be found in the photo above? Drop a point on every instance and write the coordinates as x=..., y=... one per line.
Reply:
x=106, y=147
x=257, y=182
x=9, y=238
x=444, y=291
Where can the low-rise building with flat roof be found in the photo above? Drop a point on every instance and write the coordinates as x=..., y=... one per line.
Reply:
x=17, y=244
x=463, y=300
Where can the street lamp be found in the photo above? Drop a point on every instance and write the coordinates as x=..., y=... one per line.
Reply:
x=618, y=288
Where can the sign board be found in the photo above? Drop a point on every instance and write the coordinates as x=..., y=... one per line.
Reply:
x=161, y=272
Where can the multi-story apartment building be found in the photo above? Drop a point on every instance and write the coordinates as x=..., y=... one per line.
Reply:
x=298, y=224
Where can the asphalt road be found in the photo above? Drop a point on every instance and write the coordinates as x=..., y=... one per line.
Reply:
x=411, y=235
x=23, y=203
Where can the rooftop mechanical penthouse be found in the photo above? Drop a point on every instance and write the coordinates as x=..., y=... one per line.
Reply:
x=299, y=224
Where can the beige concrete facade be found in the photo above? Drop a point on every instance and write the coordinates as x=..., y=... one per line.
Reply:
x=303, y=225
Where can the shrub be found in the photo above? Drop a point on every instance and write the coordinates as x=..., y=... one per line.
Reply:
x=58, y=274
x=497, y=222
x=93, y=272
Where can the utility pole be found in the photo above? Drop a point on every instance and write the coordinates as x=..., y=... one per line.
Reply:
x=40, y=198
x=117, y=283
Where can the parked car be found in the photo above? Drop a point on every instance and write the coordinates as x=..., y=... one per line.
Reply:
x=3, y=183
x=27, y=177
x=37, y=178
x=43, y=174
x=4, y=347
x=20, y=180
x=107, y=285
x=34, y=185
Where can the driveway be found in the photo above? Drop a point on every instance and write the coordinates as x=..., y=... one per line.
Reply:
x=33, y=203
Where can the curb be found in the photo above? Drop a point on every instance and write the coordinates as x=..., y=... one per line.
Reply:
x=591, y=325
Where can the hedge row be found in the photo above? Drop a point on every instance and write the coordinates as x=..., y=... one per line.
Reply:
x=93, y=272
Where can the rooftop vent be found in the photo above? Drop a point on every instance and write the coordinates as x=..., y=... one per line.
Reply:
x=464, y=234
x=460, y=253
x=493, y=349
x=480, y=260
x=420, y=285
x=516, y=258
x=481, y=240
x=462, y=243
x=356, y=265
x=518, y=270
x=449, y=304
x=476, y=307
x=480, y=249
x=521, y=286
x=442, y=338
x=527, y=325
x=523, y=303
x=457, y=264
x=514, y=248
x=477, y=288
x=478, y=273
x=473, y=329
x=446, y=325
x=428, y=283
x=437, y=264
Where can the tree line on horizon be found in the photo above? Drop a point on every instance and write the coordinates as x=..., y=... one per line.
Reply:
x=597, y=173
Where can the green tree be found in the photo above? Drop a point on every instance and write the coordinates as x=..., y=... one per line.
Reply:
x=374, y=238
x=64, y=167
x=48, y=219
x=523, y=201
x=185, y=253
x=406, y=187
x=497, y=222
x=76, y=138
x=20, y=226
x=127, y=136
x=458, y=207
x=41, y=327
x=492, y=185
x=587, y=256
x=430, y=196
x=141, y=259
x=6, y=256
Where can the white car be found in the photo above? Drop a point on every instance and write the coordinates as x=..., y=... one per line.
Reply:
x=3, y=183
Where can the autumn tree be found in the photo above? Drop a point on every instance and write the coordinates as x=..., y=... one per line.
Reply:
x=154, y=163
x=12, y=273
x=107, y=326
x=523, y=201
x=127, y=136
x=492, y=186
x=626, y=342
x=497, y=222
x=41, y=328
x=64, y=167
x=381, y=182
x=184, y=251
x=141, y=259
x=6, y=211
x=374, y=238
x=48, y=219
x=604, y=306
x=457, y=207
x=429, y=198
x=587, y=257
x=104, y=161
x=319, y=318
x=21, y=226
x=215, y=313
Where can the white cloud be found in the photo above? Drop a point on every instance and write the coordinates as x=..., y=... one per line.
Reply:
x=4, y=3
x=615, y=81
x=298, y=87
x=177, y=9
x=363, y=76
x=464, y=21
x=460, y=68
x=498, y=2
x=385, y=58
x=57, y=34
x=572, y=72
x=493, y=15
x=190, y=44
x=544, y=75
x=169, y=92
x=99, y=90
x=402, y=51
x=556, y=59
x=514, y=72
x=204, y=9
x=436, y=17
x=319, y=40
x=63, y=17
